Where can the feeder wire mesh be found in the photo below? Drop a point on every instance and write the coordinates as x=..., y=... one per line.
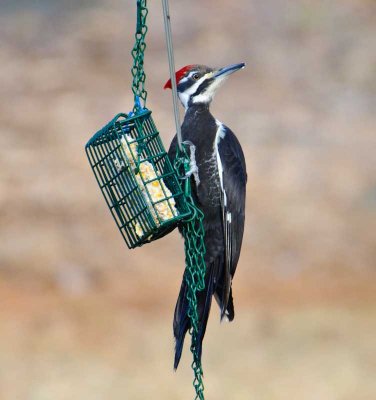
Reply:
x=136, y=178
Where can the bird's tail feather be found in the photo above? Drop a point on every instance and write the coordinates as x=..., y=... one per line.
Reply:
x=226, y=304
x=230, y=312
x=181, y=322
x=204, y=304
x=181, y=319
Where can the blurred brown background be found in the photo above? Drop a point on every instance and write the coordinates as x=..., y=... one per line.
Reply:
x=81, y=316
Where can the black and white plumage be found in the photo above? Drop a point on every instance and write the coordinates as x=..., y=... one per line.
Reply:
x=219, y=190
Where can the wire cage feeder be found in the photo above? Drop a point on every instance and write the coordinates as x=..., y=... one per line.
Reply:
x=136, y=177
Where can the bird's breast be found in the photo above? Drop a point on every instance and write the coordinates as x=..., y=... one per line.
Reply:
x=209, y=189
x=204, y=132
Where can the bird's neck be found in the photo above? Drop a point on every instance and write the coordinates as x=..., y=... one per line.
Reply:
x=199, y=125
x=197, y=110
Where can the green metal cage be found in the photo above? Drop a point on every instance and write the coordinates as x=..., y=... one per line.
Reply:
x=136, y=177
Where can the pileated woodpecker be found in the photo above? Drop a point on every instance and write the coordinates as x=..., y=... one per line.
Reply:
x=218, y=190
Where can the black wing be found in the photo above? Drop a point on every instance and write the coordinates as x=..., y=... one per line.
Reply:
x=233, y=213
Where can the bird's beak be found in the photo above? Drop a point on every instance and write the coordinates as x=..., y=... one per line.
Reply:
x=225, y=71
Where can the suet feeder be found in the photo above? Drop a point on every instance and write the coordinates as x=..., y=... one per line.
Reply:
x=136, y=177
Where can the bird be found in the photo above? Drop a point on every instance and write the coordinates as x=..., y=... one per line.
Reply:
x=218, y=190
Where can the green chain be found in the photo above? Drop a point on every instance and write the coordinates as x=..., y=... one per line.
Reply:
x=138, y=73
x=194, y=275
x=193, y=233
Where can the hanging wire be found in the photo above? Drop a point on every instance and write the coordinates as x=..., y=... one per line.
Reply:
x=171, y=64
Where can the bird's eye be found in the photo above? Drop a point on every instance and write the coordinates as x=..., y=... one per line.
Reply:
x=195, y=76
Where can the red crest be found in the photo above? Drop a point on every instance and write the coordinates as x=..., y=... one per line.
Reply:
x=179, y=75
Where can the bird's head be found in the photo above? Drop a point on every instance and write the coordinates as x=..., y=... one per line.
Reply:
x=198, y=83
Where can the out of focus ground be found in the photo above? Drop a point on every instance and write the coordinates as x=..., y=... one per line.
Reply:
x=81, y=317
